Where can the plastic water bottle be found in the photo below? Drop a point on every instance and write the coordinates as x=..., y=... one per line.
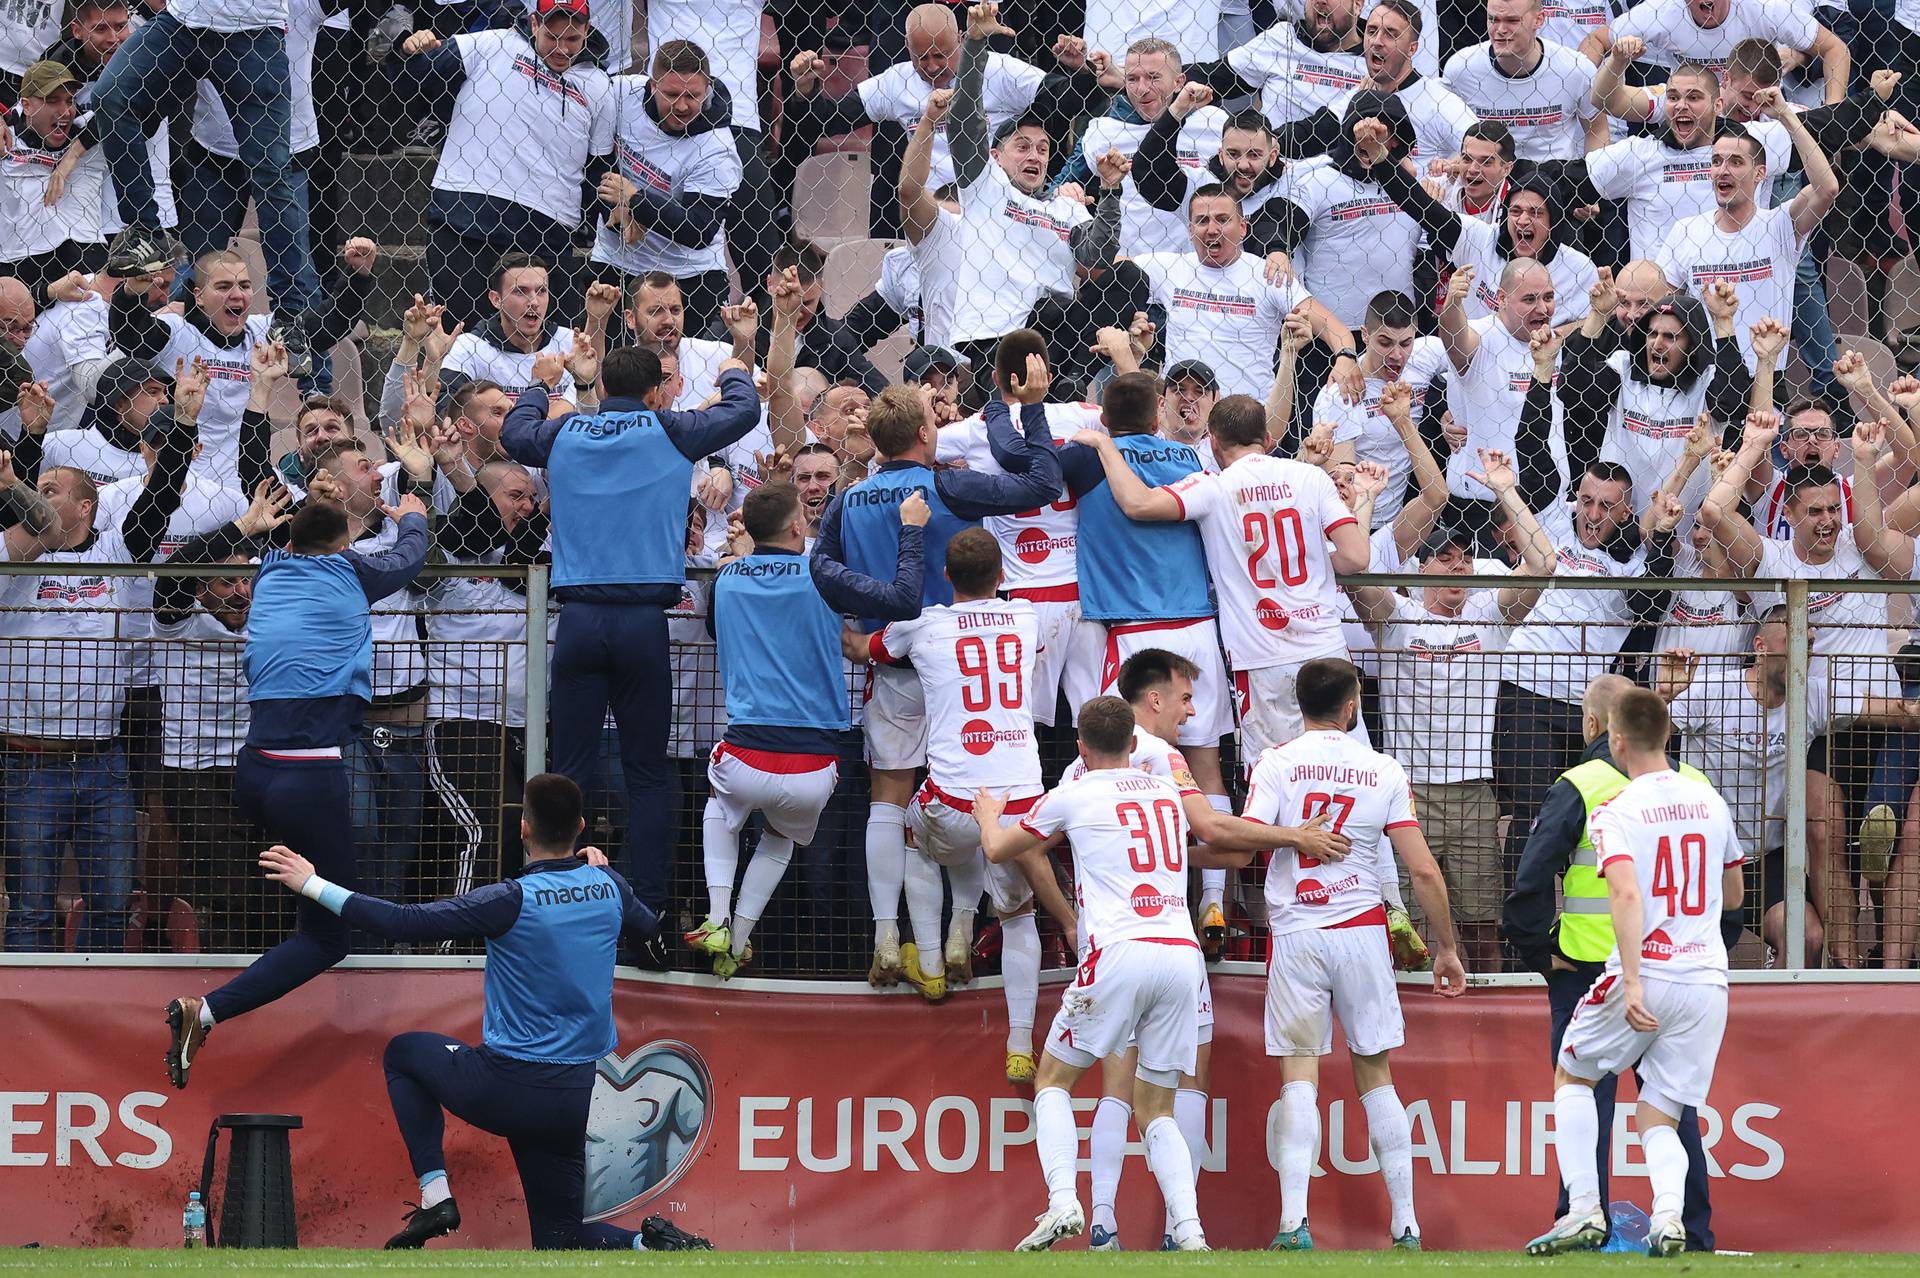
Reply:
x=193, y=1222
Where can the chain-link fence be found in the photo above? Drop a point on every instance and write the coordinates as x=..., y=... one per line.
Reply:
x=123, y=832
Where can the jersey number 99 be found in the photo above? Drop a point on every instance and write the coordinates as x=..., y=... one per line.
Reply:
x=984, y=681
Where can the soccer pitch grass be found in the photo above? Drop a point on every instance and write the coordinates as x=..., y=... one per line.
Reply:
x=1073, y=1264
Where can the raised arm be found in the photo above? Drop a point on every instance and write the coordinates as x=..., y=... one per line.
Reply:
x=785, y=419
x=1157, y=174
x=967, y=134
x=382, y=572
x=1095, y=243
x=1027, y=455
x=854, y=594
x=482, y=913
x=1611, y=93
x=919, y=211
x=1836, y=62
x=1887, y=551
x=1295, y=332
x=1813, y=200
x=1720, y=512
x=1537, y=554
x=1456, y=334
x=1418, y=516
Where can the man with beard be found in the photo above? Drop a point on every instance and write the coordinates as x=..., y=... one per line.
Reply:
x=1821, y=546
x=1039, y=243
x=1535, y=225
x=656, y=319
x=1636, y=404
x=1440, y=118
x=1248, y=164
x=1295, y=67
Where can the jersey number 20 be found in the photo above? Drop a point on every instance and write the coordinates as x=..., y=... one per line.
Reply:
x=1283, y=534
x=983, y=682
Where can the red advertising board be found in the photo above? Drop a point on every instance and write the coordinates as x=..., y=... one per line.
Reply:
x=777, y=1120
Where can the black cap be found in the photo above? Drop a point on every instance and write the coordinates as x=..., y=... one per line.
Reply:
x=922, y=360
x=1443, y=536
x=122, y=378
x=1193, y=370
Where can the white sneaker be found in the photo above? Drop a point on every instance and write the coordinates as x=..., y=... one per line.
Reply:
x=1196, y=1241
x=1666, y=1236
x=1053, y=1224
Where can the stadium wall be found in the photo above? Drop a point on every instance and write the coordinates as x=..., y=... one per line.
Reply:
x=787, y=1115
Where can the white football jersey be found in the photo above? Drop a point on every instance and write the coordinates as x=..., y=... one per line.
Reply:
x=975, y=662
x=1264, y=522
x=1038, y=547
x=1364, y=794
x=1129, y=838
x=1676, y=836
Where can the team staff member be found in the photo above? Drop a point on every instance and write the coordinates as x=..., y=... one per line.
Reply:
x=552, y=932
x=787, y=704
x=861, y=531
x=619, y=481
x=1571, y=950
x=309, y=679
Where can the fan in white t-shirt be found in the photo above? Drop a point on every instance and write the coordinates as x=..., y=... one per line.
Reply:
x=503, y=349
x=1152, y=78
x=1756, y=250
x=1540, y=90
x=1222, y=310
x=1297, y=67
x=1035, y=242
x=1386, y=426
x=1493, y=362
x=1705, y=32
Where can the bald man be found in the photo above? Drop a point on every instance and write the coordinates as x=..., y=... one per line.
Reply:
x=898, y=95
x=1636, y=287
x=16, y=326
x=1557, y=849
x=1493, y=366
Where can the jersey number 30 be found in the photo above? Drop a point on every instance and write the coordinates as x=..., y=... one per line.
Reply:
x=983, y=682
x=1161, y=834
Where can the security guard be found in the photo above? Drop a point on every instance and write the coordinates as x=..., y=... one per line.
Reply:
x=1572, y=949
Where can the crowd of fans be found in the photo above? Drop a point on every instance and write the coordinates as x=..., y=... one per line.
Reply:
x=1542, y=289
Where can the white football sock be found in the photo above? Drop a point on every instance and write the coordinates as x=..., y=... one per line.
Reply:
x=1020, y=969
x=1299, y=1146
x=1058, y=1141
x=1173, y=1167
x=434, y=1189
x=886, y=865
x=925, y=893
x=1107, y=1150
x=1576, y=1140
x=206, y=1013
x=1392, y=1139
x=1190, y=1112
x=764, y=871
x=1213, y=883
x=1666, y=1169
x=720, y=848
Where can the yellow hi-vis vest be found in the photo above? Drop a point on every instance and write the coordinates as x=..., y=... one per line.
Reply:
x=1586, y=922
